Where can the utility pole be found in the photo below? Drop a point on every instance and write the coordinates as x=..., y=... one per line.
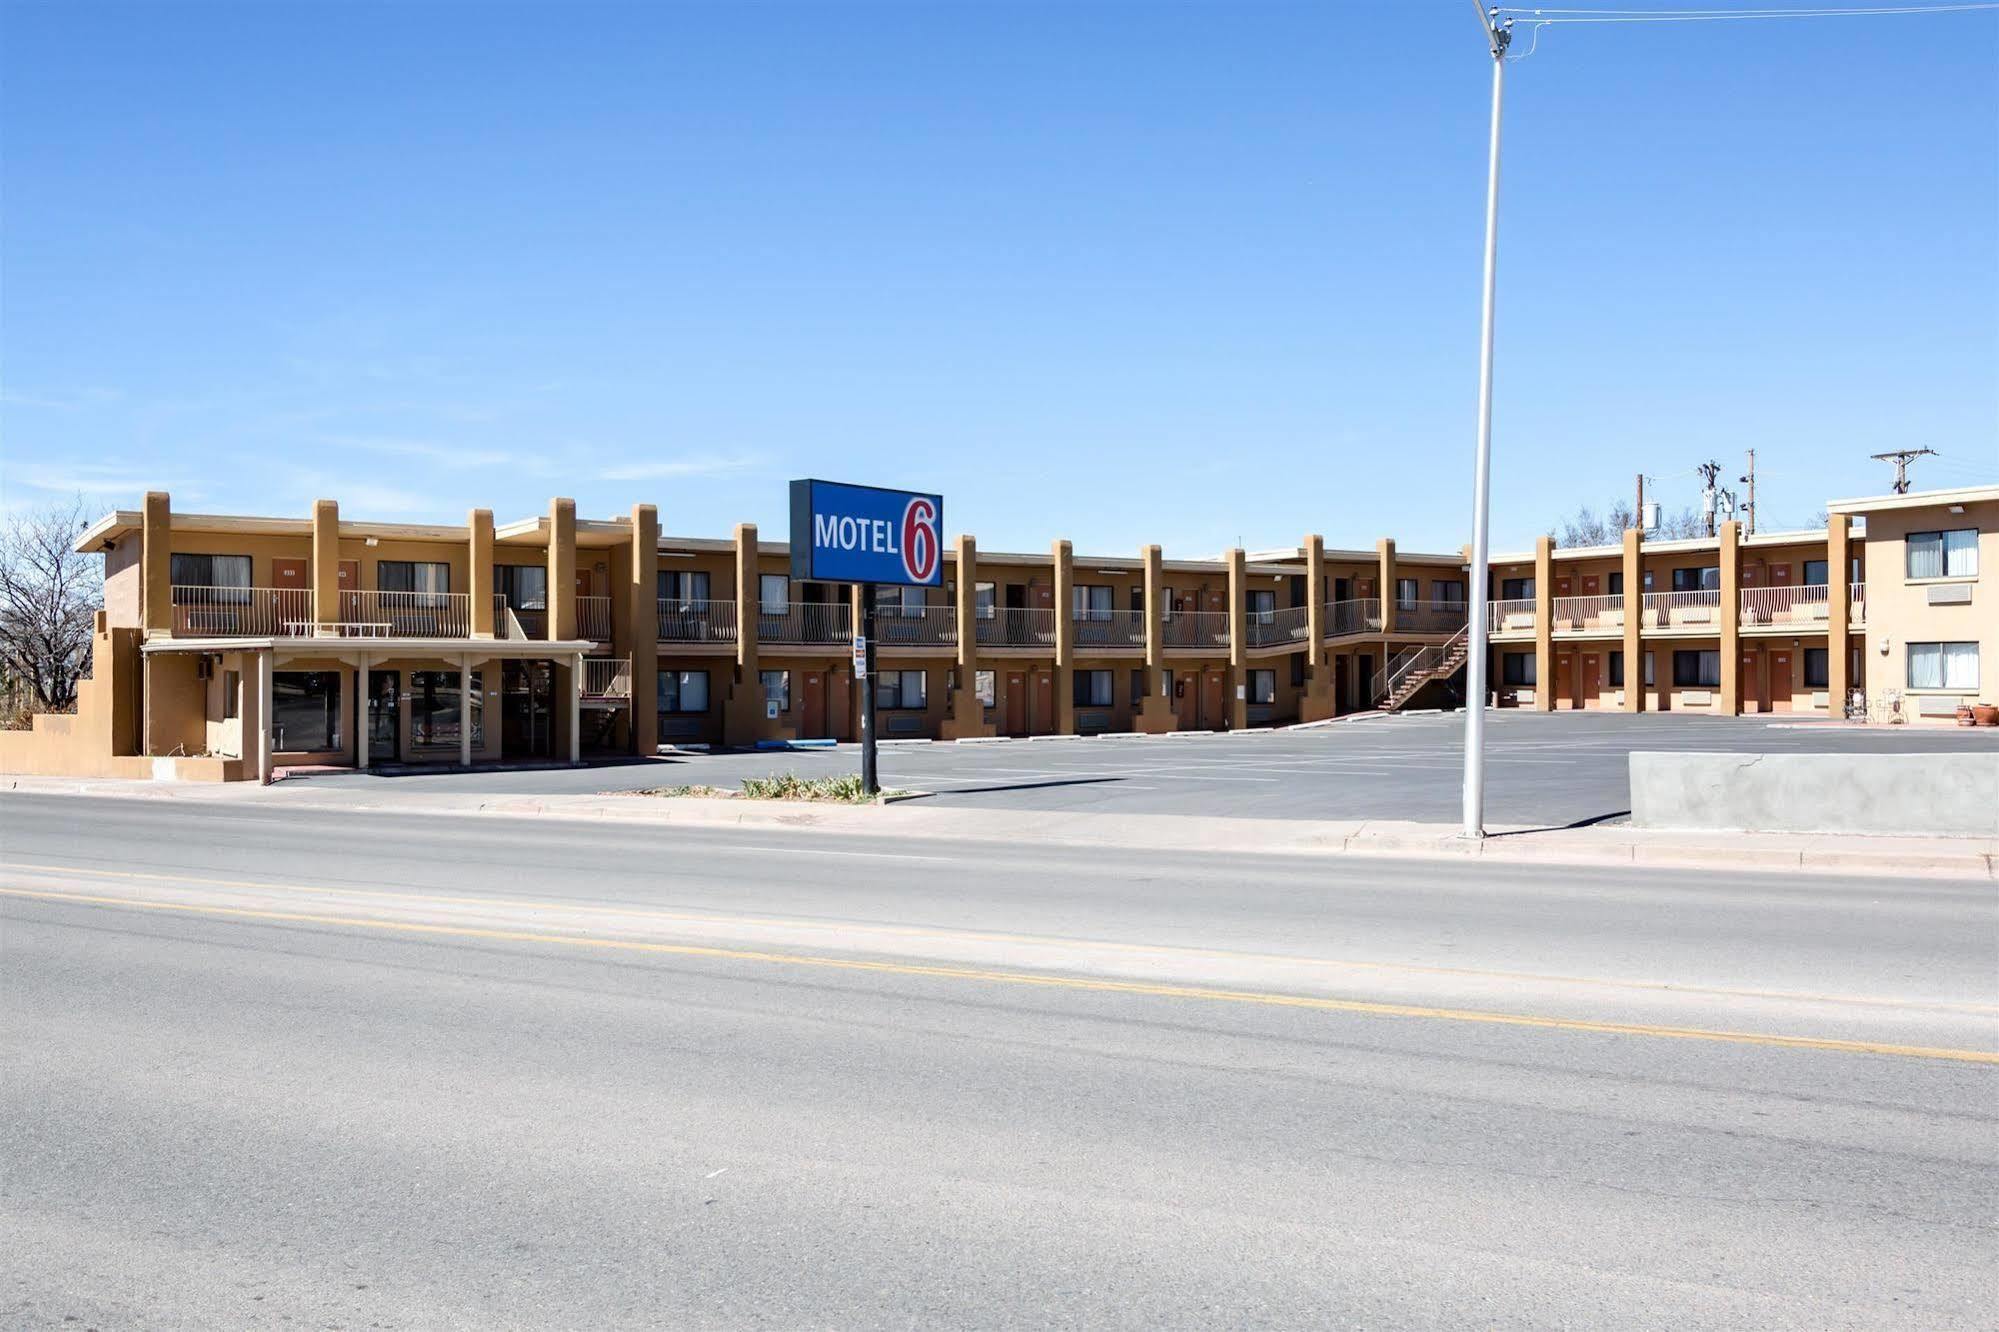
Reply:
x=1709, y=471
x=1902, y=458
x=1498, y=36
x=1750, y=481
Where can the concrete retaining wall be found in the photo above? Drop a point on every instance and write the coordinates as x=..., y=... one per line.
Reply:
x=1907, y=794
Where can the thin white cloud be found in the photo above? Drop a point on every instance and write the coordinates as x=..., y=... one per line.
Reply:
x=80, y=478
x=666, y=469
x=455, y=455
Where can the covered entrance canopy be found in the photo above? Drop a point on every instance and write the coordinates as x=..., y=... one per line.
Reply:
x=264, y=656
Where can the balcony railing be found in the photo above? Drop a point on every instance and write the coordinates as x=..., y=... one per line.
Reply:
x=408, y=614
x=916, y=626
x=1591, y=612
x=1786, y=605
x=1195, y=631
x=1359, y=615
x=1018, y=627
x=1108, y=629
x=241, y=612
x=593, y=619
x=1429, y=617
x=1857, y=599
x=696, y=621
x=1665, y=610
x=1276, y=628
x=1512, y=613
x=607, y=679
x=805, y=622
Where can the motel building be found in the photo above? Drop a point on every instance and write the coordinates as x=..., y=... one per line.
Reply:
x=236, y=647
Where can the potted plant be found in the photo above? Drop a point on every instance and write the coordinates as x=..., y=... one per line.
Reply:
x=1986, y=714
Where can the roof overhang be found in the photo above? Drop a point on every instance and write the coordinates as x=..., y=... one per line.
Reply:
x=1917, y=499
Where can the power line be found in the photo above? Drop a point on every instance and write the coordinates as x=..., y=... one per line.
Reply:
x=1545, y=17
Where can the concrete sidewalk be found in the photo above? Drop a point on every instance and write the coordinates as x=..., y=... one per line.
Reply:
x=1603, y=844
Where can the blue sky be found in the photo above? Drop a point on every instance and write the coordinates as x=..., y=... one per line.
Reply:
x=1187, y=273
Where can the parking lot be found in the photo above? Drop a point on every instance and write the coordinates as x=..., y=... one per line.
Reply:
x=1545, y=769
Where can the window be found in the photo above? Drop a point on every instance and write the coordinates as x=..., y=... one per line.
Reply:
x=1262, y=606
x=983, y=601
x=1697, y=669
x=437, y=709
x=1447, y=593
x=1090, y=601
x=430, y=578
x=1613, y=585
x=210, y=571
x=984, y=687
x=901, y=689
x=1648, y=670
x=1815, y=666
x=1516, y=589
x=305, y=711
x=685, y=586
x=683, y=691
x=1697, y=578
x=1815, y=573
x=907, y=602
x=1617, y=670
x=1137, y=684
x=1297, y=670
x=1091, y=689
x=1137, y=597
x=1951, y=554
x=232, y=695
x=1943, y=666
x=1407, y=593
x=1516, y=668
x=525, y=586
x=774, y=594
x=777, y=688
x=1165, y=603
x=1263, y=686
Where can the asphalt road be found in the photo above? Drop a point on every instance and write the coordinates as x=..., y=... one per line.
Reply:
x=1544, y=768
x=269, y=1067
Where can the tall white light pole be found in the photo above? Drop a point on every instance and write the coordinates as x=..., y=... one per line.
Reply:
x=1498, y=35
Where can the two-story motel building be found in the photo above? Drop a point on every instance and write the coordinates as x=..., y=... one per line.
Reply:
x=232, y=646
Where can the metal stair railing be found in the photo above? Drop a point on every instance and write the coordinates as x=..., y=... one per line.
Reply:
x=1410, y=672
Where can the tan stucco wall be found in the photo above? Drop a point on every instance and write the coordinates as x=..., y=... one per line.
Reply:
x=1898, y=610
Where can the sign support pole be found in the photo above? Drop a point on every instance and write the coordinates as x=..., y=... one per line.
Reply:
x=870, y=784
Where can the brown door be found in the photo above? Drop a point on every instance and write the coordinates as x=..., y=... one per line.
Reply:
x=1780, y=575
x=1779, y=692
x=1340, y=700
x=291, y=573
x=1562, y=586
x=1016, y=703
x=1565, y=679
x=1592, y=677
x=349, y=578
x=812, y=703
x=1212, y=711
x=1748, y=684
x=1590, y=585
x=295, y=576
x=1041, y=713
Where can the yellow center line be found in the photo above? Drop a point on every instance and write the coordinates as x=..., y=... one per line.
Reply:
x=1000, y=936
x=1210, y=994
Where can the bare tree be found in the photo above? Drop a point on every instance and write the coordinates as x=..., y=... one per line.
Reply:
x=1587, y=528
x=49, y=597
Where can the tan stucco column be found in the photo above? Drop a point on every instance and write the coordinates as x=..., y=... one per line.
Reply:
x=264, y=688
x=1839, y=613
x=967, y=719
x=325, y=561
x=562, y=569
x=479, y=523
x=1064, y=685
x=1155, y=712
x=640, y=624
x=156, y=534
x=1544, y=624
x=1730, y=554
x=1318, y=701
x=1238, y=681
x=742, y=711
x=1634, y=622
x=1384, y=554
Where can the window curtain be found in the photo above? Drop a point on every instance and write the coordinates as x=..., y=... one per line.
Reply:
x=1943, y=666
x=1960, y=553
x=1926, y=555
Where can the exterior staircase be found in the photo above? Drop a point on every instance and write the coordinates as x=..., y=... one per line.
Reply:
x=1400, y=680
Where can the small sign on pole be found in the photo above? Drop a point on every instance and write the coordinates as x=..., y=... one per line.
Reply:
x=860, y=656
